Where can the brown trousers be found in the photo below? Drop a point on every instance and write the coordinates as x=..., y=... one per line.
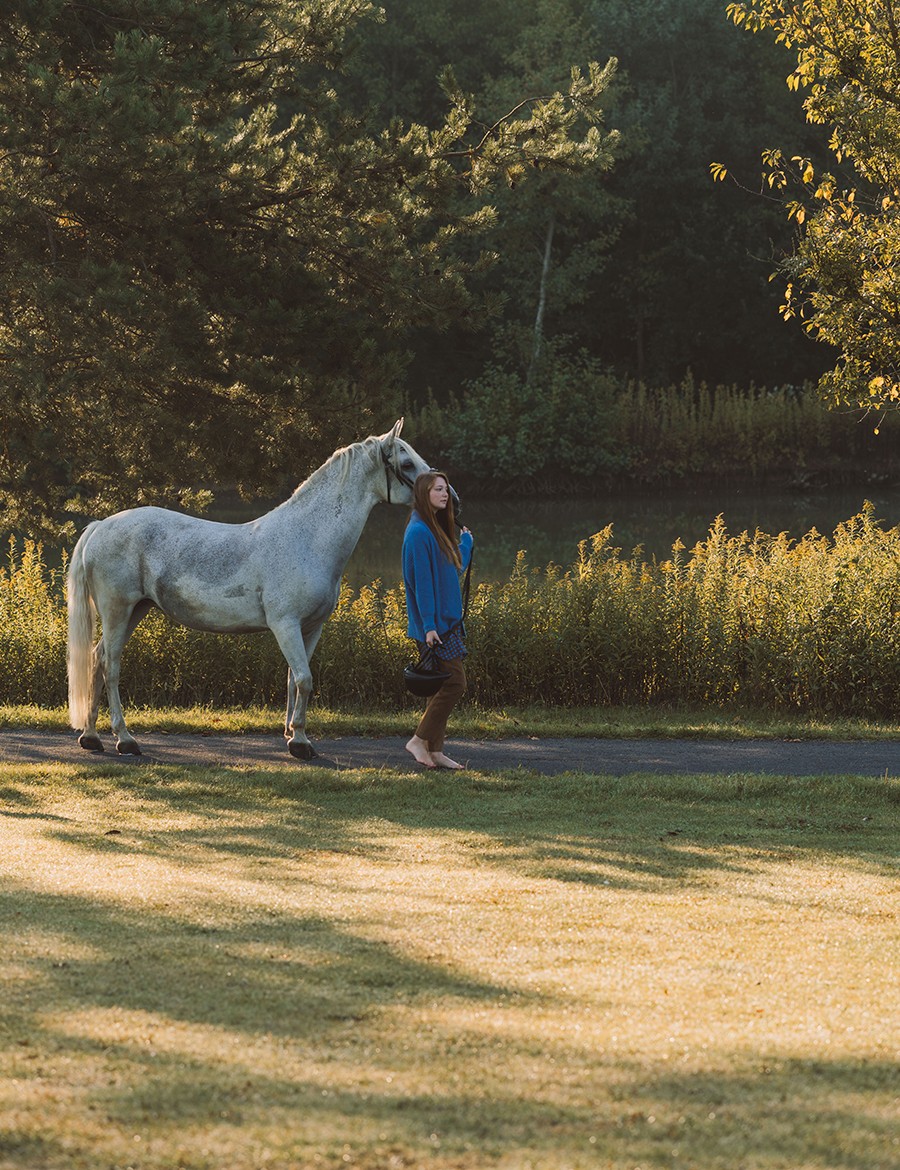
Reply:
x=433, y=726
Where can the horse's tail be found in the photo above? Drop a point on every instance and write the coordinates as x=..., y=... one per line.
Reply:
x=82, y=629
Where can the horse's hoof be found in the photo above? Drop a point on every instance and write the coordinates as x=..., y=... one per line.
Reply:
x=90, y=743
x=127, y=747
x=302, y=751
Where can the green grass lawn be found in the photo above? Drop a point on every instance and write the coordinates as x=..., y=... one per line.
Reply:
x=229, y=969
x=473, y=722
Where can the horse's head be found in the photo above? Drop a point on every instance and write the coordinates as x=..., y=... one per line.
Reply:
x=401, y=465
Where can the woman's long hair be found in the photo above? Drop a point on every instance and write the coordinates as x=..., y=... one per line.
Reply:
x=442, y=523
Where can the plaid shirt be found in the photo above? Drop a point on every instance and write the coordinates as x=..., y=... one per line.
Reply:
x=452, y=645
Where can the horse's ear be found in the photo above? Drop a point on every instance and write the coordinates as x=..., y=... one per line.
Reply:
x=398, y=427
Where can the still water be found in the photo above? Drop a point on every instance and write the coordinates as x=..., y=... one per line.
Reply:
x=551, y=531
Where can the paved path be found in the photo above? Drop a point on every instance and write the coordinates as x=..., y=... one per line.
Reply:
x=615, y=757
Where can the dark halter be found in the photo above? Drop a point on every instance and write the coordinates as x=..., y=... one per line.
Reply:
x=389, y=470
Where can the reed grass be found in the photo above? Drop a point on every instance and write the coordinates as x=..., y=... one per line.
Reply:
x=805, y=628
x=578, y=427
x=694, y=430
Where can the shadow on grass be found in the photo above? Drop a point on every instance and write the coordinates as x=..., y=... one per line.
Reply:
x=347, y=1005
x=312, y=973
x=634, y=832
x=827, y=1113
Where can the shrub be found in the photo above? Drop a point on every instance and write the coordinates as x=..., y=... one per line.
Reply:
x=808, y=625
x=32, y=627
x=575, y=429
x=558, y=423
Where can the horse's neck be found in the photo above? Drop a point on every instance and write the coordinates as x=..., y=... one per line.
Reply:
x=331, y=508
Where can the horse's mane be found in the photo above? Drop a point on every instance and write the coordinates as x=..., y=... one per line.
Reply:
x=344, y=457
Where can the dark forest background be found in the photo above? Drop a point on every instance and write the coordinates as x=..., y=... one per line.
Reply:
x=239, y=235
x=654, y=270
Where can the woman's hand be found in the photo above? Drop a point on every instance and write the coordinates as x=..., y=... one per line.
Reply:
x=432, y=639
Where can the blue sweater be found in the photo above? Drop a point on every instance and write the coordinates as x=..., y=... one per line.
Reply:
x=433, y=597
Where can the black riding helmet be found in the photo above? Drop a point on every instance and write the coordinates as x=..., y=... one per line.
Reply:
x=424, y=682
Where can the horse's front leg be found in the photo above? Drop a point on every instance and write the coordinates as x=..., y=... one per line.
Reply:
x=291, y=702
x=293, y=646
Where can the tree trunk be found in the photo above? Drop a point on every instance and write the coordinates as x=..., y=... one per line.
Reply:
x=542, y=299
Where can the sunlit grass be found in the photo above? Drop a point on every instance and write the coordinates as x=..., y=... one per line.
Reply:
x=473, y=722
x=230, y=968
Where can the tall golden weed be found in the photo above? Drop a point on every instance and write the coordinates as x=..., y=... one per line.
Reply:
x=752, y=619
x=32, y=627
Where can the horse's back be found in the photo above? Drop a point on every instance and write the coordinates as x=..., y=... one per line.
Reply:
x=151, y=534
x=200, y=572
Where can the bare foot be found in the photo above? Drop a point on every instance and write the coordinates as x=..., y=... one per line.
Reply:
x=418, y=749
x=442, y=761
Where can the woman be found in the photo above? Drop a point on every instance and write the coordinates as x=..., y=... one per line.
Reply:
x=434, y=555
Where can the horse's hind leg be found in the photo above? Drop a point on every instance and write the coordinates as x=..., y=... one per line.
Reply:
x=117, y=629
x=89, y=739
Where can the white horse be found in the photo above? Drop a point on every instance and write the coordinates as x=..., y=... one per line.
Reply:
x=281, y=572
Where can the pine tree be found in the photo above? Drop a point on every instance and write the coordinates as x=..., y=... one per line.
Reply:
x=211, y=263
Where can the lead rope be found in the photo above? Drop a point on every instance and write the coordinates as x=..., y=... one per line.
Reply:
x=467, y=584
